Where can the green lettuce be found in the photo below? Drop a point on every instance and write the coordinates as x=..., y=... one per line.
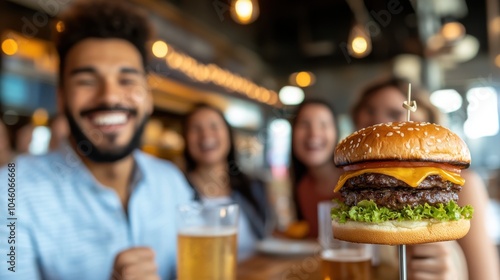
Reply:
x=368, y=211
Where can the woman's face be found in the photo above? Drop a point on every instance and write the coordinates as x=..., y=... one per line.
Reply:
x=314, y=135
x=207, y=138
x=384, y=105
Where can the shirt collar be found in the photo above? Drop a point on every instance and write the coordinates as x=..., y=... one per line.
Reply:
x=69, y=158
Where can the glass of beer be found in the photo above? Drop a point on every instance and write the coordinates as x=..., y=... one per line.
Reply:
x=341, y=260
x=207, y=242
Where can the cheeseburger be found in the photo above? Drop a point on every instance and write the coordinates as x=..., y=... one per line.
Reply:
x=401, y=185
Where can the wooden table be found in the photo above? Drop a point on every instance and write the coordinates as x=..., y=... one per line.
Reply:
x=268, y=267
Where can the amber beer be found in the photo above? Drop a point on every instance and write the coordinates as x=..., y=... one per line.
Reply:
x=207, y=253
x=346, y=264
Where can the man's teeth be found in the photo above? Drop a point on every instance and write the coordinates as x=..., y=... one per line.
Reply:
x=110, y=119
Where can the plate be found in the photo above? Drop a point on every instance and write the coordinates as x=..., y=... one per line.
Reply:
x=280, y=246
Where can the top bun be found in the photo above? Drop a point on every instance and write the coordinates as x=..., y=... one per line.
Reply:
x=403, y=141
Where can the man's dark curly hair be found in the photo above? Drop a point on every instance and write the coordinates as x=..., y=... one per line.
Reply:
x=102, y=19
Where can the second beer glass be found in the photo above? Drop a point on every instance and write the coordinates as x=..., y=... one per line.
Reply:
x=207, y=242
x=341, y=260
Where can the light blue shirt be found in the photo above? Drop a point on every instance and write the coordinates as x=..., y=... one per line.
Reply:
x=69, y=226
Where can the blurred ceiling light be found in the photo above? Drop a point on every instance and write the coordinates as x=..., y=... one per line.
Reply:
x=265, y=96
x=482, y=113
x=9, y=46
x=302, y=79
x=60, y=26
x=243, y=115
x=408, y=66
x=244, y=11
x=494, y=25
x=461, y=51
x=453, y=31
x=40, y=140
x=466, y=49
x=280, y=127
x=360, y=43
x=40, y=117
x=273, y=99
x=291, y=95
x=160, y=49
x=211, y=73
x=448, y=100
x=453, y=8
x=497, y=60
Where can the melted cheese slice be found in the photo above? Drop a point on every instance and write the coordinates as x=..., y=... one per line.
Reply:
x=411, y=176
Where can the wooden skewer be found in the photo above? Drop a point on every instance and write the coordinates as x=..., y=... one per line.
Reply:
x=409, y=102
x=411, y=106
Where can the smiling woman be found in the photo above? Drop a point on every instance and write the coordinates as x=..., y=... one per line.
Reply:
x=314, y=136
x=214, y=173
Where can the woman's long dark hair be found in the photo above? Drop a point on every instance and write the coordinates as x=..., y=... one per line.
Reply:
x=298, y=169
x=238, y=181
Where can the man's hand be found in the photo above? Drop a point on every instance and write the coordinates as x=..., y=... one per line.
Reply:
x=135, y=264
x=431, y=261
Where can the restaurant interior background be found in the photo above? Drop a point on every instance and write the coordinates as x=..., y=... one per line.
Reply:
x=257, y=66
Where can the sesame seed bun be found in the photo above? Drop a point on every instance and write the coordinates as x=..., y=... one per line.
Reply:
x=404, y=232
x=403, y=141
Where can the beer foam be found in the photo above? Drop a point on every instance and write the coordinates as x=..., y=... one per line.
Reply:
x=203, y=231
x=345, y=255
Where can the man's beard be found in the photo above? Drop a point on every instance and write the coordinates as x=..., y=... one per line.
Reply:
x=86, y=148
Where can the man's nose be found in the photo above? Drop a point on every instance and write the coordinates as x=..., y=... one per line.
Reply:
x=111, y=92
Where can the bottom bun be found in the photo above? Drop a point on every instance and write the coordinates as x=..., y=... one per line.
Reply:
x=405, y=232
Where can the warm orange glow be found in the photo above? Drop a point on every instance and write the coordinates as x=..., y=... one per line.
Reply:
x=359, y=45
x=40, y=117
x=494, y=25
x=273, y=98
x=265, y=96
x=211, y=73
x=60, y=26
x=452, y=31
x=304, y=79
x=244, y=11
x=160, y=49
x=9, y=46
x=497, y=60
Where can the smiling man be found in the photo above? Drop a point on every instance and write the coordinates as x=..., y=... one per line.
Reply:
x=97, y=208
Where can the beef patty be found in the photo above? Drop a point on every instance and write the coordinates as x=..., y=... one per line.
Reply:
x=392, y=193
